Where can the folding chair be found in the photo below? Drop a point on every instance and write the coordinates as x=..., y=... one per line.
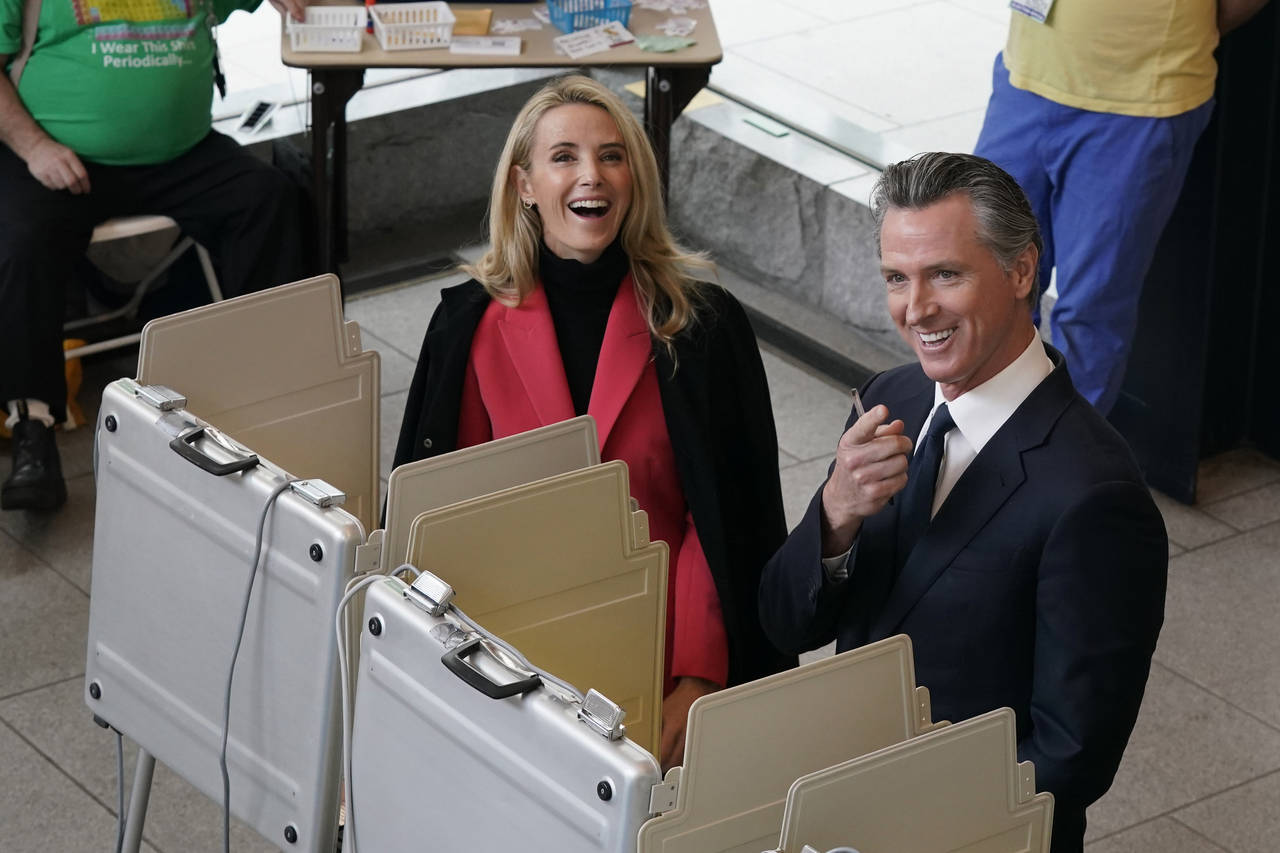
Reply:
x=133, y=226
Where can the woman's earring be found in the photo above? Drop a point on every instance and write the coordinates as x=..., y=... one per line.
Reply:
x=528, y=203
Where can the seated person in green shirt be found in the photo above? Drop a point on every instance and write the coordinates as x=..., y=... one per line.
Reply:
x=110, y=116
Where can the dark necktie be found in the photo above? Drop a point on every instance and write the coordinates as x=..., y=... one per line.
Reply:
x=922, y=477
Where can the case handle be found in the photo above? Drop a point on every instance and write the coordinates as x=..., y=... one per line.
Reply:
x=184, y=446
x=455, y=660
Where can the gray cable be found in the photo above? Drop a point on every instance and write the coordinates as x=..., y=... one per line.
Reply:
x=235, y=654
x=119, y=787
x=353, y=587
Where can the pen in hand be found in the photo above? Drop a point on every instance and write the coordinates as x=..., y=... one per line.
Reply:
x=857, y=402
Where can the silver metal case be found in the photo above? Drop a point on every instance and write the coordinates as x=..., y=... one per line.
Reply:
x=439, y=765
x=173, y=547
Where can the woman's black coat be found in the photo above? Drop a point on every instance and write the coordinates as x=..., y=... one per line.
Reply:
x=720, y=421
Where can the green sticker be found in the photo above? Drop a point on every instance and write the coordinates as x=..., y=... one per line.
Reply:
x=663, y=44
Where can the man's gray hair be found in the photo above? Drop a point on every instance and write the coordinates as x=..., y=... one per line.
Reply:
x=1006, y=225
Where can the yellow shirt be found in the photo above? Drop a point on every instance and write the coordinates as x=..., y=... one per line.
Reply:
x=1132, y=57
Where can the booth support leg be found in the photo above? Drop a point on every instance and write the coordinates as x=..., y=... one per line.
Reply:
x=139, y=798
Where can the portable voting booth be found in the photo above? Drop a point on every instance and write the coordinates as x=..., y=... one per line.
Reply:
x=282, y=373
x=563, y=569
x=455, y=748
x=174, y=551
x=275, y=384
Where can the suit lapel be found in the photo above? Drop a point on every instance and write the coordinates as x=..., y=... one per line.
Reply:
x=530, y=338
x=624, y=353
x=986, y=485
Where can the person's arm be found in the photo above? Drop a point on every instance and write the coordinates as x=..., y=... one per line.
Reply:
x=1099, y=607
x=1233, y=13
x=50, y=162
x=800, y=597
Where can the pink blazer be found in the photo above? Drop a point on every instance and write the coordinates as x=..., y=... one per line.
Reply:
x=516, y=382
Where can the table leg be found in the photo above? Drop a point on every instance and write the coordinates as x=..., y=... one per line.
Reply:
x=331, y=89
x=668, y=90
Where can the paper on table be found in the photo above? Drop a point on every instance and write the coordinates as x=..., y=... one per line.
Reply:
x=471, y=22
x=507, y=25
x=490, y=45
x=663, y=44
x=675, y=7
x=677, y=26
x=594, y=40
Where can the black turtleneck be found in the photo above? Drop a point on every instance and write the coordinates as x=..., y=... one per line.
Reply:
x=580, y=297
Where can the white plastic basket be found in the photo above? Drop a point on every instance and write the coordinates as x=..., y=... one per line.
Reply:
x=333, y=29
x=412, y=26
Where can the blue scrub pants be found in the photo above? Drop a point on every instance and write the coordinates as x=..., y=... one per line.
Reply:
x=1102, y=187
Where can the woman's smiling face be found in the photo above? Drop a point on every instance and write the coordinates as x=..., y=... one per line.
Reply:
x=579, y=177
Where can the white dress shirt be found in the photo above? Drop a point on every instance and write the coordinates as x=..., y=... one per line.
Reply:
x=979, y=413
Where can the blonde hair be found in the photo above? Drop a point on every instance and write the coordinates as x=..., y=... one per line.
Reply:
x=659, y=266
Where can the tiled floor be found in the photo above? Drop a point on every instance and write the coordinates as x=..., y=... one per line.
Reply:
x=1202, y=772
x=883, y=79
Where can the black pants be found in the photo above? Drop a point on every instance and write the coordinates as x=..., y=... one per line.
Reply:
x=244, y=211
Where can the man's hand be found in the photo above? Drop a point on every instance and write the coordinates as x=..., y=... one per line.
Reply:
x=296, y=8
x=675, y=716
x=57, y=167
x=871, y=467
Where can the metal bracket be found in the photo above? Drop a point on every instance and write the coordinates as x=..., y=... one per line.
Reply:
x=160, y=397
x=318, y=492
x=431, y=594
x=1026, y=781
x=369, y=555
x=602, y=714
x=662, y=798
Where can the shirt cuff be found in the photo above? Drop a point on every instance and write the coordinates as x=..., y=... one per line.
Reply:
x=837, y=568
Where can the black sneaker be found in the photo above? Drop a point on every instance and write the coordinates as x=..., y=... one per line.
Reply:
x=36, y=479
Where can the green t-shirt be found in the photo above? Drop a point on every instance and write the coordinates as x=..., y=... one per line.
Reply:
x=121, y=82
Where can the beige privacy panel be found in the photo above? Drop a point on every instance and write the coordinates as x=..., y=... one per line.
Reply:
x=563, y=569
x=280, y=372
x=429, y=484
x=746, y=745
x=957, y=790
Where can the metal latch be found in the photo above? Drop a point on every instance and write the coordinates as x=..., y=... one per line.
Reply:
x=430, y=593
x=602, y=714
x=162, y=398
x=318, y=492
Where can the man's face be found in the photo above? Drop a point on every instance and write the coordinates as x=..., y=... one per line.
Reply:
x=963, y=314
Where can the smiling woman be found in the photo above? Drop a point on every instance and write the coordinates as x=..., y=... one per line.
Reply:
x=579, y=179
x=584, y=304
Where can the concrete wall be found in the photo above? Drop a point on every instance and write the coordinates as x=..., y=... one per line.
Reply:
x=779, y=229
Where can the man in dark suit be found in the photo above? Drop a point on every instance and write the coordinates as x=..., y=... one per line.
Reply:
x=1017, y=545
